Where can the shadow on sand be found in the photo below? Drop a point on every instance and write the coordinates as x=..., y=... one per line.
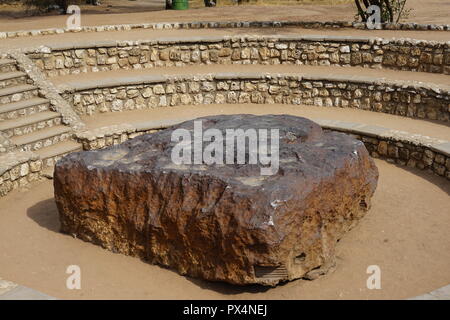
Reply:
x=441, y=182
x=229, y=289
x=45, y=214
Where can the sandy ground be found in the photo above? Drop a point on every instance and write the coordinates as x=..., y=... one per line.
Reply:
x=150, y=34
x=441, y=80
x=405, y=234
x=430, y=11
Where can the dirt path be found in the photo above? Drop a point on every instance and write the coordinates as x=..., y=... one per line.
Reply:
x=430, y=11
x=405, y=234
x=441, y=80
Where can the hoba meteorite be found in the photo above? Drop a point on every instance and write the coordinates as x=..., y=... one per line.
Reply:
x=221, y=222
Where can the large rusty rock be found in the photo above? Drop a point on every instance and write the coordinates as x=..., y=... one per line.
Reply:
x=221, y=222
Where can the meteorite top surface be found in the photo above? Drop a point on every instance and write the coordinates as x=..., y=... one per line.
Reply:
x=304, y=150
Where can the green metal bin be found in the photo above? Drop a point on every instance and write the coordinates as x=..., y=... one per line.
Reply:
x=180, y=4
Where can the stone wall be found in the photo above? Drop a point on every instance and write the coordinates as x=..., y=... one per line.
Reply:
x=408, y=55
x=402, y=148
x=18, y=169
x=408, y=154
x=400, y=98
x=399, y=147
x=103, y=137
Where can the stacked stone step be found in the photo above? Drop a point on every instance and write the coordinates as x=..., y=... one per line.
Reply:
x=53, y=153
x=26, y=118
x=7, y=65
x=8, y=79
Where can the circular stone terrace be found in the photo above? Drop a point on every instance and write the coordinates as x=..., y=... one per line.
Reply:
x=63, y=91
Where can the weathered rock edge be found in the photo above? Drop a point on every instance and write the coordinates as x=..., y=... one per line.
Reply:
x=221, y=223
